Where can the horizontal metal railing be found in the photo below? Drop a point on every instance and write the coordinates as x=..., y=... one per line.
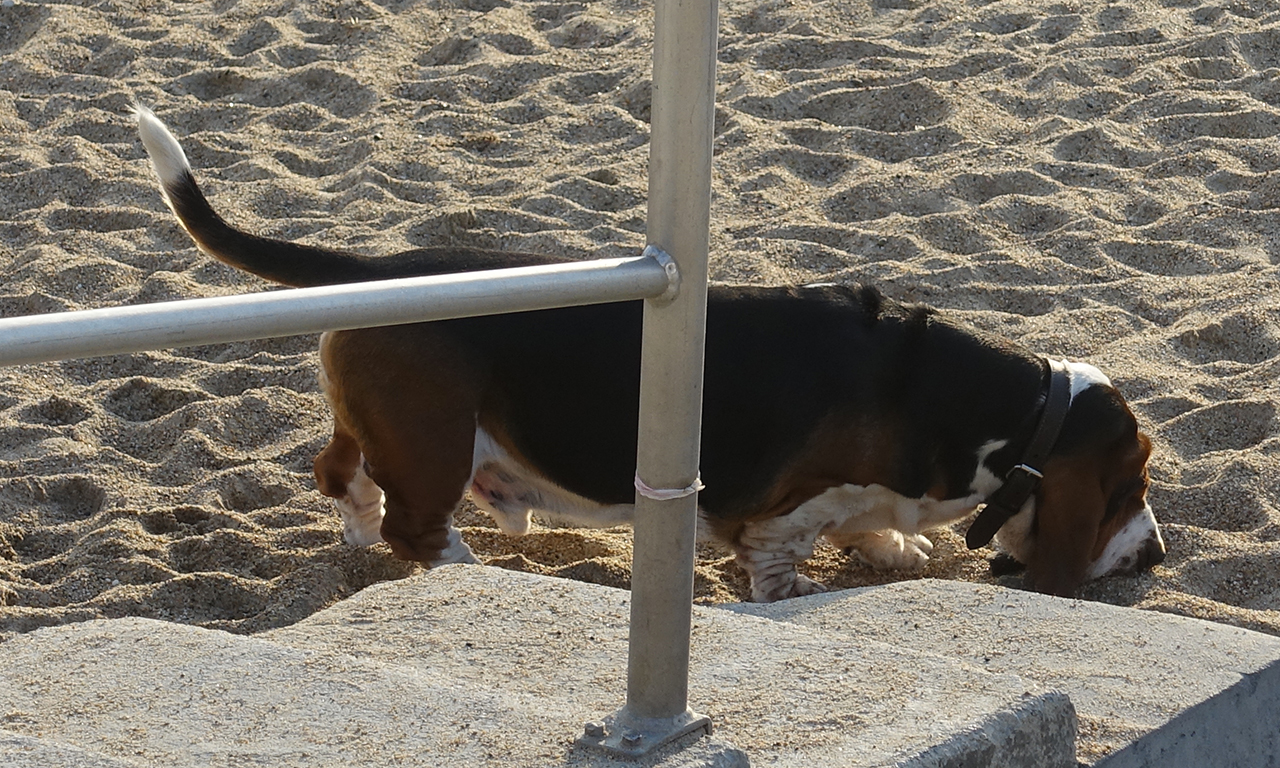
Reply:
x=191, y=322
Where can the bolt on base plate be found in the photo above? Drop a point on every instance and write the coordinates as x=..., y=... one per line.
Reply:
x=622, y=735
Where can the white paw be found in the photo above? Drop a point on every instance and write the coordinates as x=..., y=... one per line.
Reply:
x=362, y=535
x=888, y=550
x=456, y=552
x=361, y=510
x=806, y=586
x=923, y=546
x=361, y=525
x=510, y=523
x=771, y=590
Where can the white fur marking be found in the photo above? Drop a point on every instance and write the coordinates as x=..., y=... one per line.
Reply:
x=1015, y=536
x=167, y=158
x=770, y=549
x=1083, y=376
x=361, y=510
x=856, y=508
x=1122, y=550
x=456, y=552
x=889, y=550
x=511, y=493
x=985, y=481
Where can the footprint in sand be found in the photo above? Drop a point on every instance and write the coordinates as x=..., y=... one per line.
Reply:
x=144, y=399
x=58, y=412
x=1245, y=337
x=57, y=499
x=245, y=489
x=1234, y=425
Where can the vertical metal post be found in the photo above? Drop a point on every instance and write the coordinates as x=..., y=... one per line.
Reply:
x=684, y=67
x=684, y=62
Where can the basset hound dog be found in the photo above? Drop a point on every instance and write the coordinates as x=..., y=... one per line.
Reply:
x=829, y=410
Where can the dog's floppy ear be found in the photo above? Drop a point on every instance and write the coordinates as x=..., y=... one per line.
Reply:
x=1070, y=505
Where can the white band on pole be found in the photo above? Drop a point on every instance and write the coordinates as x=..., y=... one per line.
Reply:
x=667, y=494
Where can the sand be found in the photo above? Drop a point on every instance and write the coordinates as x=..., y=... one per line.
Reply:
x=1095, y=180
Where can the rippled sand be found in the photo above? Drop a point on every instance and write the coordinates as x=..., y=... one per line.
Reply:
x=1094, y=180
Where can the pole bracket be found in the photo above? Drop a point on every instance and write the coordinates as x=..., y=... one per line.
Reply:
x=627, y=736
x=673, y=274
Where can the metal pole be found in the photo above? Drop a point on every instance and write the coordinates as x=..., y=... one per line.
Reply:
x=657, y=710
x=671, y=364
x=164, y=325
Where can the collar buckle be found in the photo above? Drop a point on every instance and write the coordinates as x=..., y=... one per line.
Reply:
x=1026, y=470
x=1021, y=481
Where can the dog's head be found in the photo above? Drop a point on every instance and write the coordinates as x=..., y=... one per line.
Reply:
x=1089, y=517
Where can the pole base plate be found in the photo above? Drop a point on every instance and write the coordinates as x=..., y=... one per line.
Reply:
x=623, y=735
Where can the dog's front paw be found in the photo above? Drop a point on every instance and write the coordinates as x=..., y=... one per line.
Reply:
x=920, y=545
x=888, y=550
x=806, y=586
x=769, y=590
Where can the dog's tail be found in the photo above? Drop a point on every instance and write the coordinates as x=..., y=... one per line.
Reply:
x=276, y=260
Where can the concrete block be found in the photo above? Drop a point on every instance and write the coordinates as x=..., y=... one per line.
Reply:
x=1238, y=727
x=786, y=696
x=19, y=751
x=470, y=666
x=1153, y=686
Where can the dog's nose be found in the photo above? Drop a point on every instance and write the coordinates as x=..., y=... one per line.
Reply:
x=1152, y=553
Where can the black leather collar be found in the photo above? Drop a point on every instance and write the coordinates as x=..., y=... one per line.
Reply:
x=1023, y=479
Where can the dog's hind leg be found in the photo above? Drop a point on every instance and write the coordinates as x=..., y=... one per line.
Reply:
x=424, y=473
x=406, y=400
x=340, y=474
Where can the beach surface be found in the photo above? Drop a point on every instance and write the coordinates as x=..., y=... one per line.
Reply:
x=1095, y=180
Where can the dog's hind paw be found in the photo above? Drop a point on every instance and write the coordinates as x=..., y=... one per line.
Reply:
x=361, y=535
x=361, y=523
x=456, y=552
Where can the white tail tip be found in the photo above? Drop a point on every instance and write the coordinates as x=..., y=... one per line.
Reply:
x=167, y=157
